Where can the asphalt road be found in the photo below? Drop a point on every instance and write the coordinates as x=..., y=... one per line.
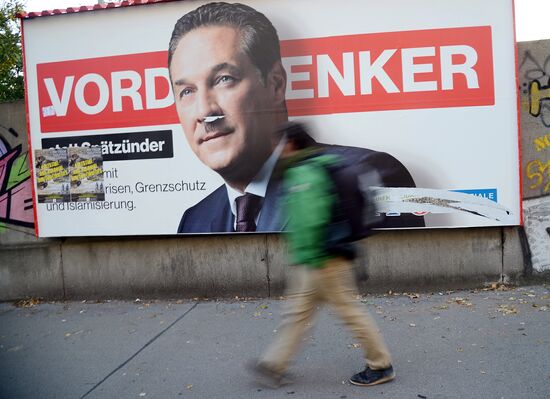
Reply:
x=464, y=344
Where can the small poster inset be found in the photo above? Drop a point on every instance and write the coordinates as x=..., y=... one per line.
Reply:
x=52, y=176
x=86, y=174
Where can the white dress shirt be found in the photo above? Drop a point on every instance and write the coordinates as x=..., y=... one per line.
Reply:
x=258, y=185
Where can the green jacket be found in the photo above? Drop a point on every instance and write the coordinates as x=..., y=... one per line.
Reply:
x=309, y=200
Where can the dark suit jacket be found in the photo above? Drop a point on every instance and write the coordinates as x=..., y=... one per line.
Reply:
x=213, y=214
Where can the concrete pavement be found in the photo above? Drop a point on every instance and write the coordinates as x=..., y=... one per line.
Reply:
x=462, y=344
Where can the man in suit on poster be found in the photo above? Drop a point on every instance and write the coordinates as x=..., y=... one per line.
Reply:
x=229, y=87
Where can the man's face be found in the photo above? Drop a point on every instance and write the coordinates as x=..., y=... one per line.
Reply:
x=226, y=111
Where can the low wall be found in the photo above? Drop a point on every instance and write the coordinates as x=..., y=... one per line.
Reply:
x=245, y=265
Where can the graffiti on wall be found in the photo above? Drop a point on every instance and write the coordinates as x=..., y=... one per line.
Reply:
x=538, y=170
x=537, y=228
x=16, y=206
x=534, y=76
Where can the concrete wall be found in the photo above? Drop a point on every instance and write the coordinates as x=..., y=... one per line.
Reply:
x=244, y=265
x=534, y=80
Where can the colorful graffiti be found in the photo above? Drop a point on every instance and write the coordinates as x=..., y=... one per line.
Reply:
x=539, y=174
x=534, y=76
x=16, y=207
x=537, y=96
x=535, y=72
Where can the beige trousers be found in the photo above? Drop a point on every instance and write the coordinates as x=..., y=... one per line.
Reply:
x=309, y=287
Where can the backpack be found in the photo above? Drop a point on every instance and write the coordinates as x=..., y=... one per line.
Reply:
x=356, y=185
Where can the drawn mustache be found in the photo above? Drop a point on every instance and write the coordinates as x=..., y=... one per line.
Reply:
x=214, y=123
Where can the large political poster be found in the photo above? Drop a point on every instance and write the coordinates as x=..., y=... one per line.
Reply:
x=165, y=117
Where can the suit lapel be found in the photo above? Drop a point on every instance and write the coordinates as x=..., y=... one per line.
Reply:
x=222, y=221
x=271, y=217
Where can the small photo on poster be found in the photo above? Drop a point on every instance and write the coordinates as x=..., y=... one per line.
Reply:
x=86, y=174
x=52, y=176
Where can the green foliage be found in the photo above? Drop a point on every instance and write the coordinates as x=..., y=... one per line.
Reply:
x=11, y=64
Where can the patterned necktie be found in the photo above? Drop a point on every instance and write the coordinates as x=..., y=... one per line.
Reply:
x=248, y=206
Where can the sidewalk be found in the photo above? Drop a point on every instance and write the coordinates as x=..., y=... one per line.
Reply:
x=463, y=344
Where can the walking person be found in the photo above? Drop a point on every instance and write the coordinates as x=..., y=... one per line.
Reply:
x=320, y=244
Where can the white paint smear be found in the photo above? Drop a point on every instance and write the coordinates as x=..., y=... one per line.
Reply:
x=210, y=119
x=410, y=200
x=537, y=220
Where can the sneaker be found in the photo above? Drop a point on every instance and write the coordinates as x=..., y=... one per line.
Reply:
x=370, y=377
x=267, y=377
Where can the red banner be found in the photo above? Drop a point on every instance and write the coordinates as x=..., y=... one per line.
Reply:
x=357, y=73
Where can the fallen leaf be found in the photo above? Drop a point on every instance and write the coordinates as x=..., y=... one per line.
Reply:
x=28, y=302
x=190, y=387
x=507, y=310
x=461, y=301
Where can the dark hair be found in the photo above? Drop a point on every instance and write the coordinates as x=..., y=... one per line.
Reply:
x=259, y=38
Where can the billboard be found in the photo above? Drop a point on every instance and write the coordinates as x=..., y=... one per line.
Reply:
x=173, y=109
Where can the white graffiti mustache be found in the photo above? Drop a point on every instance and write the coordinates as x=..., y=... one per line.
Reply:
x=214, y=118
